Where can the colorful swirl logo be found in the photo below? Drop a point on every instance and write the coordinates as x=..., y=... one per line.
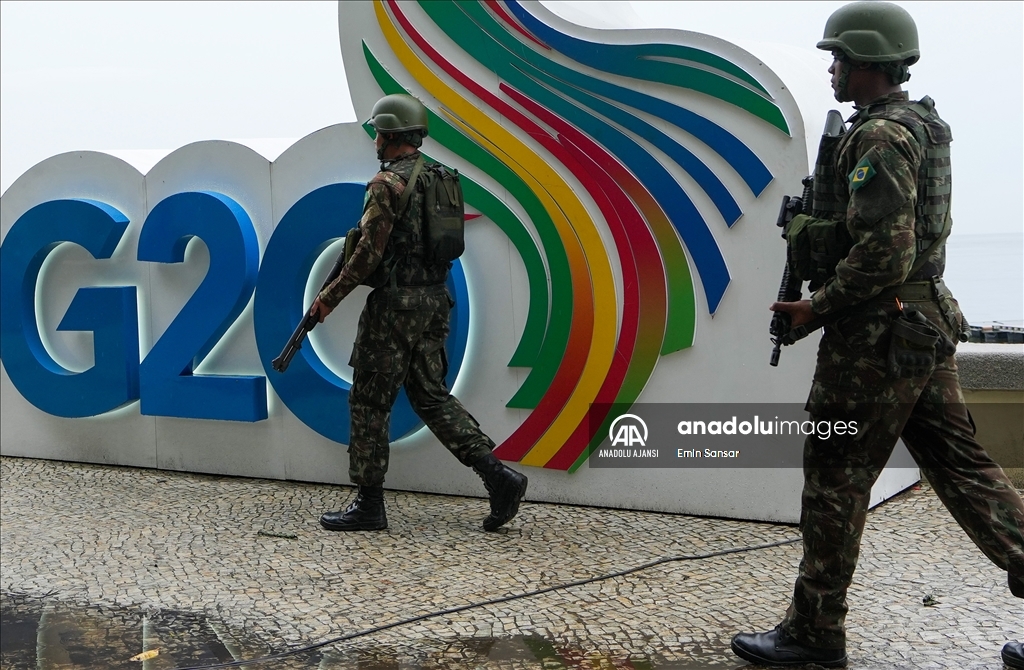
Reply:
x=590, y=106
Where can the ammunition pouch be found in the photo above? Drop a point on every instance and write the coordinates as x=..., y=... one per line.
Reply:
x=917, y=345
x=951, y=310
x=815, y=248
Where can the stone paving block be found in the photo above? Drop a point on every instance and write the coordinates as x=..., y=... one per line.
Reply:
x=145, y=540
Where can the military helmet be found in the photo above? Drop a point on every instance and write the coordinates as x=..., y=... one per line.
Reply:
x=398, y=113
x=872, y=32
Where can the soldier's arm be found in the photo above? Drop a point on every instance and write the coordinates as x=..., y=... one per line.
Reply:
x=375, y=226
x=881, y=163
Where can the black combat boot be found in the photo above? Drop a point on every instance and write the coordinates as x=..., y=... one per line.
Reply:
x=365, y=513
x=1013, y=655
x=1016, y=585
x=506, y=488
x=776, y=649
x=1013, y=652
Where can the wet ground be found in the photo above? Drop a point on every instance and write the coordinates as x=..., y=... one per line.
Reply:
x=50, y=635
x=101, y=564
x=44, y=634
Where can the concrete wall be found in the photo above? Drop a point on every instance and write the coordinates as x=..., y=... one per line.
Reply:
x=992, y=377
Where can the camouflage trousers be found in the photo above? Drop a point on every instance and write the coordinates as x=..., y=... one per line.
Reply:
x=400, y=342
x=851, y=383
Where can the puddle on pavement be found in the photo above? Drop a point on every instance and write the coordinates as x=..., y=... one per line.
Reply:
x=46, y=635
x=41, y=635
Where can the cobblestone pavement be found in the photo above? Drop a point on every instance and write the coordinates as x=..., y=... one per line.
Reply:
x=221, y=568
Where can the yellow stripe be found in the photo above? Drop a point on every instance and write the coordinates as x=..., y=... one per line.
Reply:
x=563, y=206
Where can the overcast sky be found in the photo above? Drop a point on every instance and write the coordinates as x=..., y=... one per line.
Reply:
x=154, y=75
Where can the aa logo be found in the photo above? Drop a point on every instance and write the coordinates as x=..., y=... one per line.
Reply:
x=628, y=430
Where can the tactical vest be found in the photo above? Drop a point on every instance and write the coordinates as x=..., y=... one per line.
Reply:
x=404, y=255
x=934, y=179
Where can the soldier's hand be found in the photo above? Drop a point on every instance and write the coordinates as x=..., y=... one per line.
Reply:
x=320, y=310
x=800, y=312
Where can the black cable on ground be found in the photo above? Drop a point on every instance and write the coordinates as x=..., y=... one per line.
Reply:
x=495, y=601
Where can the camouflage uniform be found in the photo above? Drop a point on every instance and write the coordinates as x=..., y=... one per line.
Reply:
x=852, y=382
x=402, y=332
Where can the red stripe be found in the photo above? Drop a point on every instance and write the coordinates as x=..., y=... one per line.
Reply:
x=499, y=9
x=604, y=191
x=634, y=241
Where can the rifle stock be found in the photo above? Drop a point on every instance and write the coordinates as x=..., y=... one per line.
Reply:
x=282, y=362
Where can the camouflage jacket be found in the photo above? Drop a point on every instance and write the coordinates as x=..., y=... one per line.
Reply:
x=384, y=237
x=878, y=162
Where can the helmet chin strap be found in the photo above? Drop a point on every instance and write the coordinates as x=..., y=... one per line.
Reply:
x=413, y=138
x=384, y=146
x=842, y=94
x=897, y=71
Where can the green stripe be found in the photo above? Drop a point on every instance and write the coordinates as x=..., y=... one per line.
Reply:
x=693, y=55
x=642, y=62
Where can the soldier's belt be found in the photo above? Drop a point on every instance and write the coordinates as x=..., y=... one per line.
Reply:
x=427, y=288
x=918, y=291
x=423, y=290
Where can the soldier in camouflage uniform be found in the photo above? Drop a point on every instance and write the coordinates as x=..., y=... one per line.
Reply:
x=402, y=332
x=888, y=182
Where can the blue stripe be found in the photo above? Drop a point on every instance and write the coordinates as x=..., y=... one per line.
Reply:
x=750, y=168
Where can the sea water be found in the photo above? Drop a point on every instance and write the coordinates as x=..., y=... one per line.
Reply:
x=985, y=272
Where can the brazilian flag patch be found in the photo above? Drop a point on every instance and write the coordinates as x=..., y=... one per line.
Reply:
x=861, y=174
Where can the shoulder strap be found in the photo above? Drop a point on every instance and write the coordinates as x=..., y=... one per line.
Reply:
x=403, y=202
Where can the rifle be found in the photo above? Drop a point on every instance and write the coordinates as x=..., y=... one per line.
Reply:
x=308, y=322
x=790, y=288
